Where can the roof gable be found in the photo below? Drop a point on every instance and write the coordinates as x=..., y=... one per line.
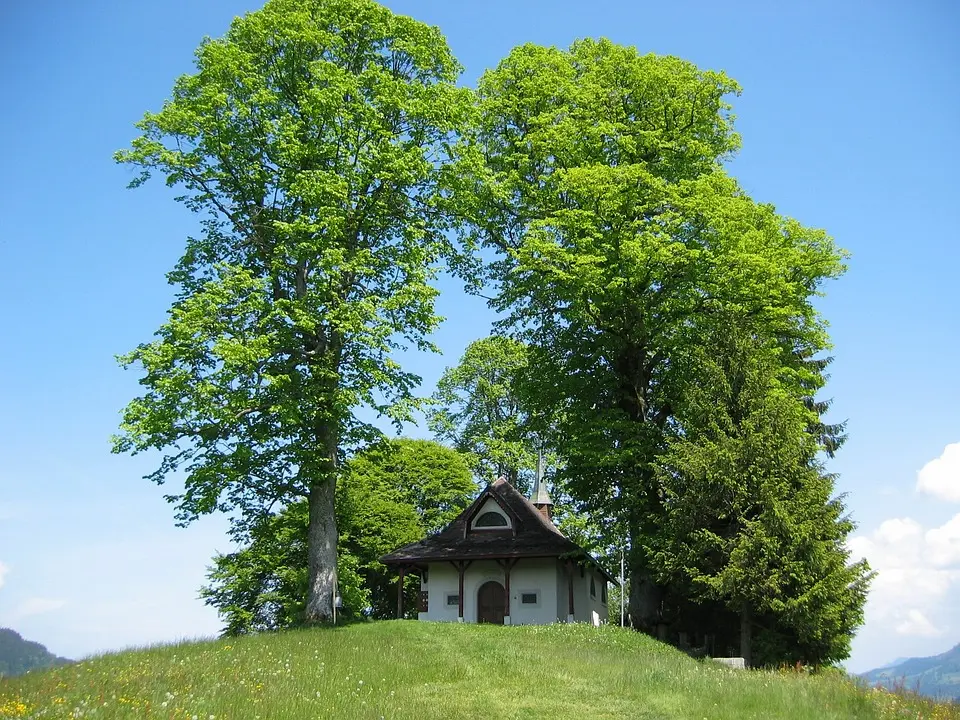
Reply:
x=490, y=506
x=478, y=506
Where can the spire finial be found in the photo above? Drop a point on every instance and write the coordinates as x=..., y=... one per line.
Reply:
x=540, y=497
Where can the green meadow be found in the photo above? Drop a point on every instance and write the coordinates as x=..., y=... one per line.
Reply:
x=405, y=669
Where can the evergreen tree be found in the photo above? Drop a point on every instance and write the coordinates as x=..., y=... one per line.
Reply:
x=750, y=520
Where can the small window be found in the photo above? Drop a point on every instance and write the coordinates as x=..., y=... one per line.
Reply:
x=603, y=593
x=529, y=598
x=453, y=599
x=593, y=587
x=491, y=519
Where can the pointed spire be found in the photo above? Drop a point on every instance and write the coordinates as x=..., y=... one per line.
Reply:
x=540, y=497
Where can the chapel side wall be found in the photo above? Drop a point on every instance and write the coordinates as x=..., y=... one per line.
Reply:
x=597, y=608
x=587, y=608
x=442, y=579
x=603, y=608
x=562, y=590
x=528, y=576
x=581, y=594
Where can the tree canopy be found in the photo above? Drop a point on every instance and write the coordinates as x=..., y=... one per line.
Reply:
x=477, y=408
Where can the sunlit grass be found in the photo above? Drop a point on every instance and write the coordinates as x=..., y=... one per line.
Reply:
x=406, y=669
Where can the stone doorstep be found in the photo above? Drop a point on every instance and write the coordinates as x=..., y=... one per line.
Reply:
x=733, y=662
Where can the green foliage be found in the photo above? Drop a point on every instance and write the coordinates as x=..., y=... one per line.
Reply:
x=391, y=494
x=313, y=141
x=433, y=671
x=394, y=494
x=480, y=406
x=263, y=585
x=749, y=520
x=622, y=244
x=476, y=407
x=331, y=155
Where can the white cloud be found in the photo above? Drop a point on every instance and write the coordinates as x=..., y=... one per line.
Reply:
x=4, y=569
x=37, y=606
x=918, y=573
x=897, y=530
x=943, y=543
x=917, y=625
x=941, y=476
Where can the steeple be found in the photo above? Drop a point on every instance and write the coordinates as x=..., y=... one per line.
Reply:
x=540, y=497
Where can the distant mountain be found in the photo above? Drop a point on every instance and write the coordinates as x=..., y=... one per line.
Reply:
x=937, y=676
x=890, y=664
x=17, y=655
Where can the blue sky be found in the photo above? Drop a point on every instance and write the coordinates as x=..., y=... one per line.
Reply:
x=850, y=115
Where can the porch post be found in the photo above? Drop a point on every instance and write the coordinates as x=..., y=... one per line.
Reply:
x=400, y=594
x=506, y=595
x=507, y=565
x=460, y=569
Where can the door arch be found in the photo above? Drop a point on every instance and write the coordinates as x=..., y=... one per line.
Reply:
x=491, y=600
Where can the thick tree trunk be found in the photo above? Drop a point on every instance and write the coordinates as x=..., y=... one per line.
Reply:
x=746, y=623
x=645, y=598
x=322, y=536
x=322, y=552
x=646, y=595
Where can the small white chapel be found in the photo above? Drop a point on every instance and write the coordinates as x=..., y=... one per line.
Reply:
x=503, y=561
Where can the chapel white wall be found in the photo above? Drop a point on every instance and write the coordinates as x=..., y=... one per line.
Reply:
x=588, y=608
x=442, y=579
x=528, y=575
x=533, y=576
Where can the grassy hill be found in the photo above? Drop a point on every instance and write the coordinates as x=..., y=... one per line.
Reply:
x=404, y=669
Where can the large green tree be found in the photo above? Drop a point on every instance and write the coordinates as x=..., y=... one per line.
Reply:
x=390, y=494
x=620, y=241
x=312, y=139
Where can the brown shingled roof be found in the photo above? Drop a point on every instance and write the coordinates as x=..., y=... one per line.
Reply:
x=532, y=535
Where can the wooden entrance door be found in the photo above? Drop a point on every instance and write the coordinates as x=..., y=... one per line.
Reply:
x=490, y=603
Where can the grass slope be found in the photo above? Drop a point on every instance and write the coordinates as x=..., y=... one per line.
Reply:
x=404, y=669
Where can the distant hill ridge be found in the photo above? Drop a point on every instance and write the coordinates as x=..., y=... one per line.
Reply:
x=18, y=656
x=937, y=676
